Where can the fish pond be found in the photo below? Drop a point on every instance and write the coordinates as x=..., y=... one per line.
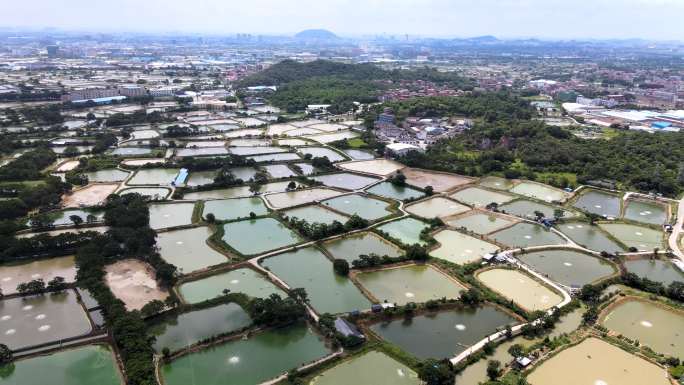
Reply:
x=527, y=234
x=444, y=334
x=154, y=176
x=366, y=243
x=476, y=196
x=372, y=368
x=315, y=214
x=436, y=207
x=568, y=267
x=261, y=357
x=345, y=180
x=309, y=268
x=478, y=222
x=658, y=270
x=300, y=197
x=14, y=273
x=646, y=212
x=412, y=283
x=244, y=280
x=640, y=237
x=365, y=207
x=154, y=193
x=256, y=236
x=599, y=202
x=407, y=230
x=110, y=175
x=590, y=237
x=539, y=191
x=163, y=215
x=230, y=209
x=187, y=249
x=460, y=248
x=520, y=288
x=189, y=328
x=390, y=190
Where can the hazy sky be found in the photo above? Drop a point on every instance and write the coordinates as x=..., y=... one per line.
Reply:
x=650, y=19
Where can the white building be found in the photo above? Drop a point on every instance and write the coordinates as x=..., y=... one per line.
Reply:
x=402, y=148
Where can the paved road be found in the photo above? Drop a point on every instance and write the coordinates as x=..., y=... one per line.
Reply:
x=677, y=231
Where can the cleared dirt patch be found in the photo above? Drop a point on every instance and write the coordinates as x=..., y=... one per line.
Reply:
x=440, y=182
x=134, y=283
x=91, y=195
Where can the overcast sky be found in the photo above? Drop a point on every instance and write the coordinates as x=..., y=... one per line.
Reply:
x=649, y=19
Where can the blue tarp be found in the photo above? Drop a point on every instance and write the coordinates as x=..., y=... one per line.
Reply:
x=180, y=178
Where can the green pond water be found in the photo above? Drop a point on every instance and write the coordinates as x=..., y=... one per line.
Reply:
x=365, y=207
x=525, y=209
x=496, y=182
x=243, y=280
x=244, y=173
x=345, y=180
x=35, y=320
x=480, y=223
x=520, y=288
x=539, y=191
x=274, y=157
x=186, y=329
x=599, y=202
x=263, y=356
x=311, y=269
x=110, y=175
x=64, y=217
x=436, y=207
x=154, y=176
x=646, y=212
x=300, y=197
x=414, y=283
x=187, y=249
x=643, y=238
x=87, y=365
x=200, y=178
x=170, y=215
x=315, y=214
x=476, y=196
x=526, y=235
x=277, y=171
x=230, y=209
x=460, y=248
x=407, y=230
x=444, y=334
x=315, y=152
x=259, y=235
x=657, y=270
x=154, y=193
x=389, y=190
x=654, y=326
x=568, y=267
x=372, y=368
x=590, y=237
x=366, y=243
x=359, y=154
x=235, y=192
x=131, y=151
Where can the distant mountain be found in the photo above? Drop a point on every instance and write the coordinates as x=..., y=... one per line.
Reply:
x=317, y=34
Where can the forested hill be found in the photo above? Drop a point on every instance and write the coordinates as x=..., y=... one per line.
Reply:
x=339, y=84
x=506, y=141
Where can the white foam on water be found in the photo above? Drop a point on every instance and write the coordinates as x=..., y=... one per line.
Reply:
x=234, y=360
x=35, y=276
x=409, y=295
x=646, y=324
x=468, y=251
x=600, y=382
x=235, y=281
x=528, y=237
x=40, y=316
x=6, y=318
x=580, y=226
x=347, y=202
x=10, y=332
x=6, y=279
x=179, y=242
x=571, y=227
x=44, y=328
x=27, y=307
x=166, y=215
x=638, y=233
x=460, y=327
x=568, y=264
x=597, y=206
x=400, y=373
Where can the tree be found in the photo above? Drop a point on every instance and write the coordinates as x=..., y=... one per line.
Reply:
x=5, y=354
x=516, y=350
x=434, y=372
x=472, y=296
x=341, y=266
x=558, y=213
x=429, y=190
x=211, y=218
x=153, y=307
x=41, y=222
x=417, y=252
x=493, y=369
x=292, y=185
x=398, y=179
x=76, y=220
x=35, y=286
x=254, y=188
x=57, y=284
x=300, y=294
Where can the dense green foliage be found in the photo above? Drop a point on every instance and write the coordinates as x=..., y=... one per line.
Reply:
x=28, y=166
x=338, y=84
x=505, y=141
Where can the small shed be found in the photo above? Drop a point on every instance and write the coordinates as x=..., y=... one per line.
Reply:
x=347, y=328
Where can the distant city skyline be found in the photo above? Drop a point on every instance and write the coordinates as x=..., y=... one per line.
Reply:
x=548, y=19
